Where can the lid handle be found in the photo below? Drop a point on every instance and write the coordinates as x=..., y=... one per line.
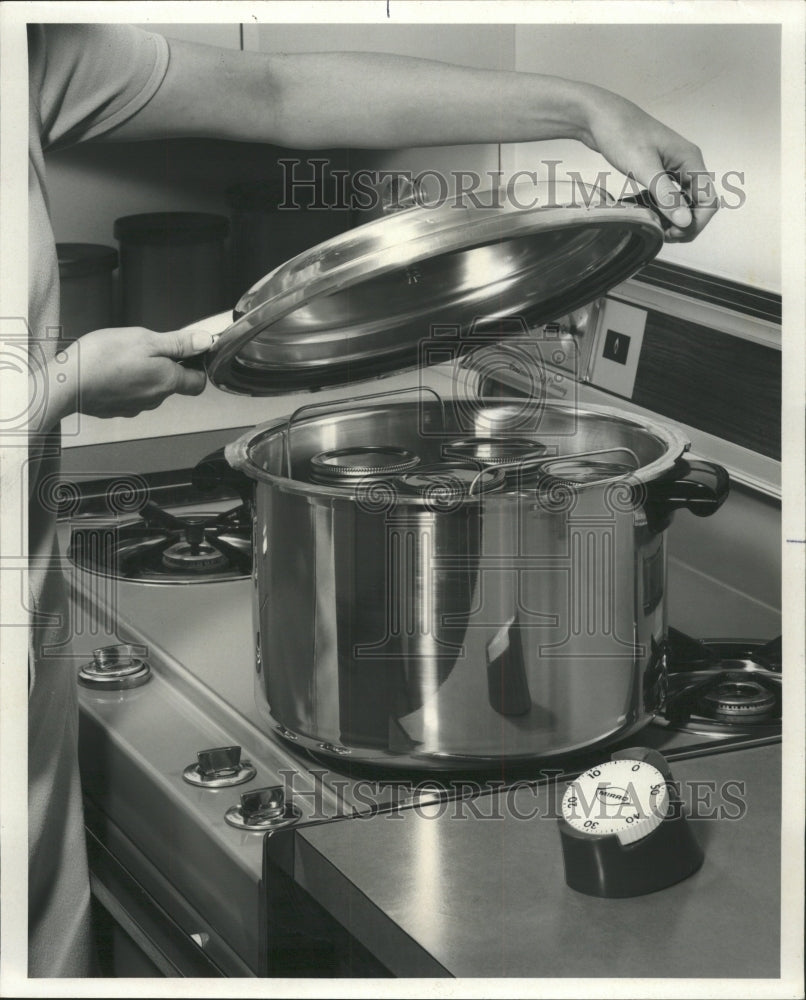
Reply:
x=398, y=192
x=644, y=199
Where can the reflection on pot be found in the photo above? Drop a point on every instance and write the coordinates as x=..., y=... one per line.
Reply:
x=451, y=621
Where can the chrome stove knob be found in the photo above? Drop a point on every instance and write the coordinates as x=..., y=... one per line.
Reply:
x=115, y=668
x=219, y=767
x=263, y=804
x=263, y=809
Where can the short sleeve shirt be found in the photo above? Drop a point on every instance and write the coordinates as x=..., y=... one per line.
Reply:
x=84, y=80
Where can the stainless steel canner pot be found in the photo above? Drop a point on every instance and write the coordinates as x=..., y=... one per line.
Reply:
x=456, y=627
x=416, y=604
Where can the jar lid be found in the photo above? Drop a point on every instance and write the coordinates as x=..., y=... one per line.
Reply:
x=584, y=470
x=345, y=466
x=446, y=484
x=370, y=301
x=77, y=260
x=171, y=228
x=503, y=451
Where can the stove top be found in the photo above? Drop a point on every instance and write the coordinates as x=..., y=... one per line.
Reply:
x=160, y=547
x=139, y=745
x=723, y=686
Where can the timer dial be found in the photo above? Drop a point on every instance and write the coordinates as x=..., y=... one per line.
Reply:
x=623, y=828
x=623, y=798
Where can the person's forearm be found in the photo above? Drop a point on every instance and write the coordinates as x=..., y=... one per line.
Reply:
x=365, y=100
x=349, y=99
x=355, y=99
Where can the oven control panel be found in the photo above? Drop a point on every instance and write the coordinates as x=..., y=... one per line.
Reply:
x=618, y=347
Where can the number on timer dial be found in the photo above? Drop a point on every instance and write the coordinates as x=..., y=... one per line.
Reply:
x=625, y=798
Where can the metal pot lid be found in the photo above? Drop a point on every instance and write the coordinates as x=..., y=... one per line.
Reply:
x=365, y=302
x=347, y=465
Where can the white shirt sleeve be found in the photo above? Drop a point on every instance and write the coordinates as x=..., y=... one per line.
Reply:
x=92, y=77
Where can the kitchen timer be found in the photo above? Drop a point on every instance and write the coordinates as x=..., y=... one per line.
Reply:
x=623, y=828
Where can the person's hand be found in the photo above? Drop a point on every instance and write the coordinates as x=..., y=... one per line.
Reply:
x=122, y=371
x=670, y=166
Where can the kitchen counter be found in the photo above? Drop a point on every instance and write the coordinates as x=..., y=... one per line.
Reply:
x=440, y=893
x=478, y=895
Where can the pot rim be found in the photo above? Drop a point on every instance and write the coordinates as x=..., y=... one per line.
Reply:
x=238, y=454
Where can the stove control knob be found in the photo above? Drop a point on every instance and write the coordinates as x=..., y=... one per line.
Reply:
x=219, y=767
x=263, y=809
x=115, y=668
x=265, y=803
x=623, y=829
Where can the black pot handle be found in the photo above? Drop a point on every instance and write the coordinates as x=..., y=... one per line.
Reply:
x=701, y=487
x=645, y=200
x=214, y=473
x=198, y=362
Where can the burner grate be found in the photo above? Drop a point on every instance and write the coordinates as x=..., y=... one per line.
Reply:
x=718, y=686
x=160, y=547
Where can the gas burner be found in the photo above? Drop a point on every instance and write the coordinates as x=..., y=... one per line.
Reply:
x=719, y=686
x=734, y=697
x=162, y=548
x=202, y=558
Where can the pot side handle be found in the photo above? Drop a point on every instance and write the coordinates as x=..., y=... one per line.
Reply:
x=701, y=487
x=214, y=472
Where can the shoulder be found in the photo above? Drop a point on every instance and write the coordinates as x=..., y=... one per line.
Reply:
x=87, y=78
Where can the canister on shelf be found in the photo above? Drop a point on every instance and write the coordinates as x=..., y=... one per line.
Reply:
x=86, y=287
x=173, y=267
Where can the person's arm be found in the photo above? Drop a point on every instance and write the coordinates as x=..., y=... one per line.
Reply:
x=366, y=100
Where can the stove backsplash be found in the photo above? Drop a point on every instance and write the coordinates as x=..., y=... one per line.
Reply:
x=705, y=354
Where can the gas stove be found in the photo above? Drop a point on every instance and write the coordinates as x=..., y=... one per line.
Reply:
x=190, y=794
x=723, y=687
x=160, y=547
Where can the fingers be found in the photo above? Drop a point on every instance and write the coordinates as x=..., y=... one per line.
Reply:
x=672, y=202
x=189, y=382
x=185, y=343
x=698, y=187
x=700, y=190
x=685, y=197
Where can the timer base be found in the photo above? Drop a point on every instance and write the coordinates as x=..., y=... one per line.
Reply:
x=602, y=866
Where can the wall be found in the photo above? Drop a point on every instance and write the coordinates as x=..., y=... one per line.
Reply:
x=717, y=85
